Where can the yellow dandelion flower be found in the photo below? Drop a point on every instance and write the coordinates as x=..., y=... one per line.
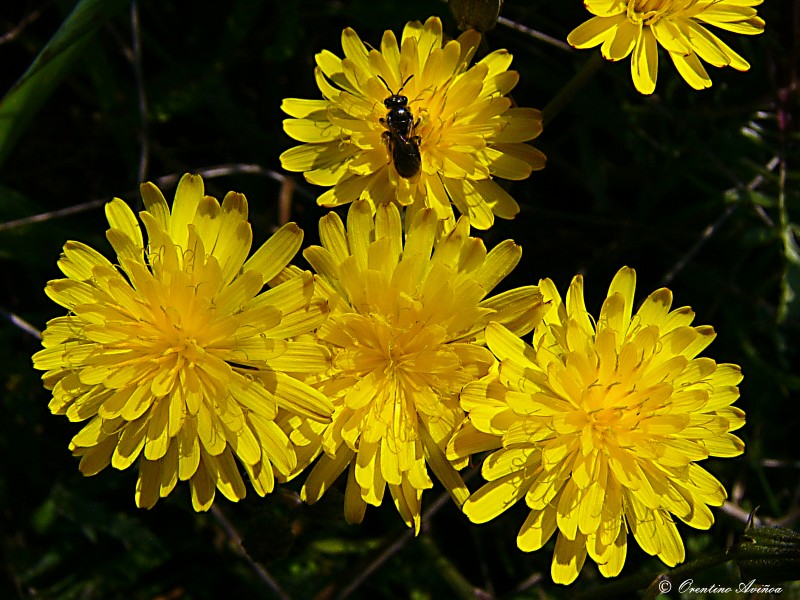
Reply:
x=455, y=129
x=175, y=356
x=638, y=27
x=600, y=426
x=405, y=334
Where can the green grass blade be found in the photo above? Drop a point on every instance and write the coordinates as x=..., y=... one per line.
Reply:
x=20, y=105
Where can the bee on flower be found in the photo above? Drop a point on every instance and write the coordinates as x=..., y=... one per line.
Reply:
x=174, y=356
x=638, y=27
x=415, y=124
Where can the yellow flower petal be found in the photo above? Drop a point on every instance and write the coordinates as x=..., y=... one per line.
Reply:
x=594, y=32
x=311, y=130
x=625, y=37
x=121, y=217
x=692, y=70
x=276, y=252
x=304, y=109
x=568, y=558
x=495, y=497
x=644, y=64
x=606, y=8
x=324, y=473
x=188, y=195
x=155, y=204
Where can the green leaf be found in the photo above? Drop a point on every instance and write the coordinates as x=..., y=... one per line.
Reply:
x=768, y=554
x=29, y=93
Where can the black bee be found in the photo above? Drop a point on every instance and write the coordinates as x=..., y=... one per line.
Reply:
x=399, y=134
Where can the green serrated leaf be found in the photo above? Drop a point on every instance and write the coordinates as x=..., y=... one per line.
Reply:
x=20, y=105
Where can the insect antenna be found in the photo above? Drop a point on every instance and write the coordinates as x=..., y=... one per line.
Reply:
x=404, y=83
x=401, y=87
x=386, y=84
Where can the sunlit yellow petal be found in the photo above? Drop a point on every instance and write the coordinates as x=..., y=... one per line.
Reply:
x=692, y=70
x=644, y=64
x=594, y=32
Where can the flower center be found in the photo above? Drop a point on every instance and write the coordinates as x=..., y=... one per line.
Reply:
x=395, y=348
x=395, y=357
x=186, y=347
x=603, y=420
x=175, y=338
x=648, y=12
x=596, y=412
x=180, y=329
x=398, y=357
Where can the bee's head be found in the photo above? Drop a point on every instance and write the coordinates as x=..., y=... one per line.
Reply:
x=395, y=101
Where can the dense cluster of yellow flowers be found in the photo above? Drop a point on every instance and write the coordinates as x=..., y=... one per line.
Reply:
x=391, y=358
